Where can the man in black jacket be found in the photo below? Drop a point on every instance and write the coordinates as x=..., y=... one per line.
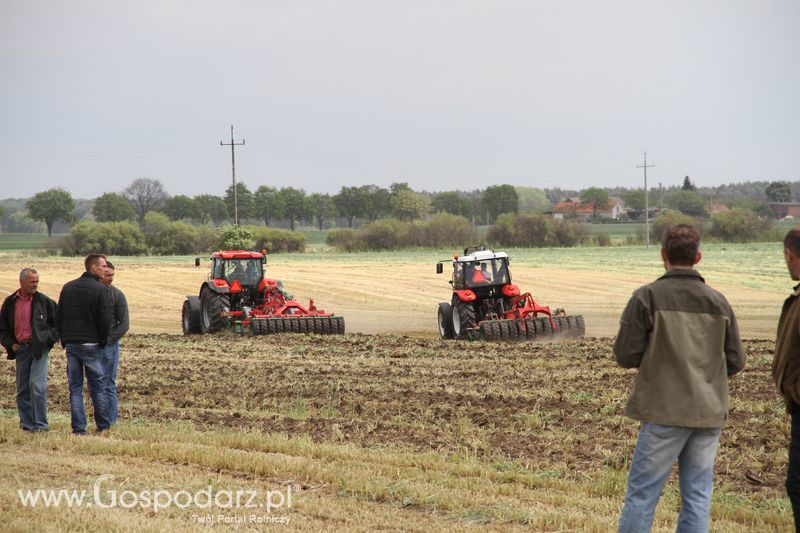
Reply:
x=28, y=332
x=84, y=321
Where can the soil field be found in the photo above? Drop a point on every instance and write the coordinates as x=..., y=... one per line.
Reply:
x=397, y=292
x=405, y=432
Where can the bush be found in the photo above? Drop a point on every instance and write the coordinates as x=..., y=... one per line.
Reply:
x=344, y=239
x=739, y=225
x=111, y=238
x=670, y=218
x=235, y=238
x=206, y=238
x=177, y=238
x=385, y=234
x=277, y=240
x=446, y=230
x=537, y=230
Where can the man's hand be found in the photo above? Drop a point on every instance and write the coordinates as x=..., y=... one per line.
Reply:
x=15, y=348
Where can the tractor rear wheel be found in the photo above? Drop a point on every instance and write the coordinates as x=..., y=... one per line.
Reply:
x=463, y=314
x=212, y=306
x=445, y=316
x=190, y=315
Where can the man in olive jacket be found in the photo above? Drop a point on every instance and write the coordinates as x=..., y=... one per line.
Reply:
x=682, y=336
x=786, y=367
x=28, y=332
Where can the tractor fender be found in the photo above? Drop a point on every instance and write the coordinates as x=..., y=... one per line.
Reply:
x=267, y=282
x=510, y=290
x=219, y=286
x=465, y=295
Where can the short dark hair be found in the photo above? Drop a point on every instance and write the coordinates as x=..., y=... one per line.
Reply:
x=110, y=265
x=792, y=240
x=91, y=260
x=681, y=243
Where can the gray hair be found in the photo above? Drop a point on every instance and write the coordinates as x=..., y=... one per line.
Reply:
x=24, y=273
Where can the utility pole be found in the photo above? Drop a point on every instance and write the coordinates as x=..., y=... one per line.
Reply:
x=660, y=199
x=645, y=166
x=233, y=173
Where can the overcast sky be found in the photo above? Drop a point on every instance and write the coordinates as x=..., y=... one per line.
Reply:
x=440, y=94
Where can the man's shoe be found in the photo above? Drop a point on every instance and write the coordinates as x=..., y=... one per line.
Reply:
x=79, y=433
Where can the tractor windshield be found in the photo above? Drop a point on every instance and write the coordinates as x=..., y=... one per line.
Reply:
x=485, y=273
x=247, y=271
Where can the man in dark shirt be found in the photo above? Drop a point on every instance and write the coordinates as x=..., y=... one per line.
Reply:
x=84, y=320
x=119, y=327
x=28, y=332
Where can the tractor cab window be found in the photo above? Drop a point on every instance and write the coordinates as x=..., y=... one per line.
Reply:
x=247, y=271
x=488, y=272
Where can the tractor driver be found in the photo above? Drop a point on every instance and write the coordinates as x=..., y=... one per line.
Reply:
x=238, y=273
x=478, y=275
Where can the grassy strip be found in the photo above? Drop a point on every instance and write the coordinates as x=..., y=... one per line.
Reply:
x=451, y=488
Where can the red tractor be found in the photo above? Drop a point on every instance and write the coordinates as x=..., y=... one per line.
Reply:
x=238, y=297
x=486, y=305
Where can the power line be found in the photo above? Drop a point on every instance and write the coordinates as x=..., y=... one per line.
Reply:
x=645, y=166
x=232, y=144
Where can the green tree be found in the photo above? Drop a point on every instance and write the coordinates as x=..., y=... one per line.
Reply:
x=350, y=203
x=634, y=199
x=51, y=205
x=295, y=205
x=244, y=201
x=596, y=197
x=145, y=194
x=687, y=202
x=779, y=191
x=688, y=185
x=408, y=205
x=532, y=200
x=376, y=200
x=268, y=204
x=399, y=186
x=499, y=199
x=180, y=207
x=113, y=207
x=210, y=208
x=235, y=238
x=453, y=202
x=322, y=208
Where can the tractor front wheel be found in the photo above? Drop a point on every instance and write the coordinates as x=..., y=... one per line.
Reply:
x=190, y=315
x=213, y=305
x=446, y=321
x=463, y=318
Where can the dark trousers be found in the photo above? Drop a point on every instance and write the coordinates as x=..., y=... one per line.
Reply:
x=793, y=472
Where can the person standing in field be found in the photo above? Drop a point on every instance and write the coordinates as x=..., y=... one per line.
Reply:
x=119, y=327
x=28, y=332
x=786, y=367
x=84, y=321
x=683, y=337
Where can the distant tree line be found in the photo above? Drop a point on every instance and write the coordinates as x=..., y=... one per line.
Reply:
x=193, y=219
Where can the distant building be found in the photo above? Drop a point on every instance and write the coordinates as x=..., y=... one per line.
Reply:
x=584, y=210
x=784, y=209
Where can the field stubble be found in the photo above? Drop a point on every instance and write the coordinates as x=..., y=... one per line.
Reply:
x=503, y=434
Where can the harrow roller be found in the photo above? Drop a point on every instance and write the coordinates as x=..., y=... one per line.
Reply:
x=327, y=325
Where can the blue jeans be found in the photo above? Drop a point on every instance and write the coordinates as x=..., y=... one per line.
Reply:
x=111, y=354
x=90, y=359
x=32, y=389
x=656, y=450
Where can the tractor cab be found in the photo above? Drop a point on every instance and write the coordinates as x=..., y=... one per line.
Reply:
x=479, y=269
x=245, y=267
